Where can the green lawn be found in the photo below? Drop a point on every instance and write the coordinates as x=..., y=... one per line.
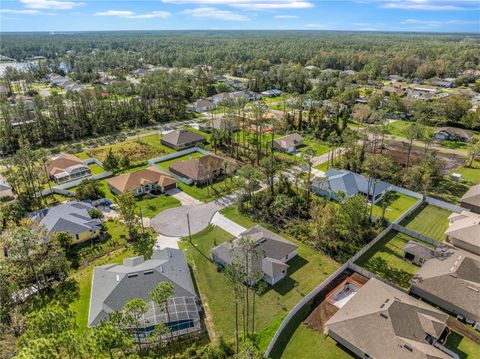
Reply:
x=449, y=191
x=470, y=174
x=231, y=212
x=209, y=193
x=96, y=169
x=464, y=347
x=153, y=206
x=385, y=259
x=191, y=156
x=318, y=147
x=307, y=343
x=323, y=166
x=428, y=220
x=306, y=271
x=401, y=203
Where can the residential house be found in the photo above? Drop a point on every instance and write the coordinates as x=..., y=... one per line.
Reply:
x=271, y=93
x=350, y=184
x=219, y=97
x=451, y=280
x=67, y=167
x=249, y=96
x=71, y=217
x=201, y=105
x=464, y=231
x=288, y=143
x=199, y=170
x=421, y=95
x=223, y=124
x=237, y=84
x=395, y=78
x=142, y=181
x=396, y=90
x=268, y=258
x=471, y=199
x=27, y=100
x=6, y=191
x=445, y=83
x=349, y=72
x=417, y=253
x=114, y=285
x=453, y=134
x=380, y=321
x=181, y=139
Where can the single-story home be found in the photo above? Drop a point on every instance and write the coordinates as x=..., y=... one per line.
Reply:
x=396, y=90
x=223, y=124
x=267, y=261
x=67, y=167
x=271, y=93
x=350, y=184
x=451, y=280
x=288, y=143
x=445, y=83
x=421, y=95
x=141, y=181
x=181, y=139
x=199, y=170
x=114, y=285
x=71, y=217
x=464, y=231
x=395, y=78
x=471, y=199
x=380, y=321
x=417, y=253
x=6, y=191
x=454, y=134
x=201, y=105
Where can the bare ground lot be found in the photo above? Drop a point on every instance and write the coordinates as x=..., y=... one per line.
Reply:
x=398, y=152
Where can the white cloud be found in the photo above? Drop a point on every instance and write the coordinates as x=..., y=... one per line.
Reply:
x=126, y=14
x=424, y=5
x=316, y=26
x=51, y=4
x=23, y=12
x=211, y=12
x=286, y=16
x=249, y=4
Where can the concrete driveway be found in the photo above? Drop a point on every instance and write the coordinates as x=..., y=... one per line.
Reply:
x=173, y=222
x=184, y=198
x=227, y=225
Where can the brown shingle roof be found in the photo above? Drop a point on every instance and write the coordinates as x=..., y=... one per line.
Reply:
x=197, y=169
x=182, y=136
x=133, y=180
x=62, y=162
x=472, y=196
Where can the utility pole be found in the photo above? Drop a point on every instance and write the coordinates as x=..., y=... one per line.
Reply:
x=141, y=221
x=189, y=231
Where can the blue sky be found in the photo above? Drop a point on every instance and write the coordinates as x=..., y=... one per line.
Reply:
x=361, y=15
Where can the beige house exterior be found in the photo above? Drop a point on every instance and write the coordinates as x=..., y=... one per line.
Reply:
x=464, y=231
x=141, y=182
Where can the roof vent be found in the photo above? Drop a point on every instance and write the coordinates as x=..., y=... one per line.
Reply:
x=161, y=269
x=118, y=278
x=408, y=347
x=132, y=275
x=148, y=272
x=384, y=315
x=473, y=288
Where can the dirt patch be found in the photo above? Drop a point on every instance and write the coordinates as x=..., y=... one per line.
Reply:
x=398, y=152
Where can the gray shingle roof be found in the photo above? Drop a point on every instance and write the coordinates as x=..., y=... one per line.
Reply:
x=385, y=322
x=349, y=183
x=271, y=250
x=71, y=217
x=182, y=136
x=113, y=285
x=453, y=275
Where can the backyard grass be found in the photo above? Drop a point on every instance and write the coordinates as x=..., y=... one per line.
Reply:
x=428, y=220
x=231, y=212
x=385, y=259
x=318, y=147
x=209, y=193
x=307, y=343
x=96, y=169
x=449, y=191
x=470, y=174
x=464, y=347
x=401, y=204
x=306, y=271
x=323, y=166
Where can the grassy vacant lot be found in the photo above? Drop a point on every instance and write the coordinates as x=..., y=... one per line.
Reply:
x=464, y=347
x=428, y=220
x=401, y=204
x=306, y=271
x=191, y=156
x=209, y=193
x=231, y=212
x=308, y=343
x=96, y=169
x=449, y=191
x=386, y=259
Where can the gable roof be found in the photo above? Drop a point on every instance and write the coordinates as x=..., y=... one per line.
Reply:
x=472, y=196
x=288, y=141
x=113, y=285
x=387, y=323
x=271, y=250
x=182, y=136
x=465, y=226
x=349, y=183
x=62, y=162
x=452, y=275
x=71, y=217
x=133, y=180
x=198, y=168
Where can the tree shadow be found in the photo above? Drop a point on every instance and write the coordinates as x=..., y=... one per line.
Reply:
x=381, y=267
x=453, y=342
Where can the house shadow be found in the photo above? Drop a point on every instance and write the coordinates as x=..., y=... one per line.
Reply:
x=285, y=285
x=295, y=264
